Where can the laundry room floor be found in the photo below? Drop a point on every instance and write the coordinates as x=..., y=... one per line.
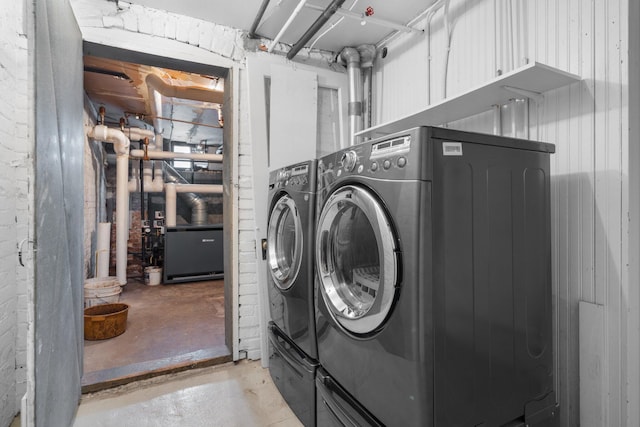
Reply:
x=227, y=395
x=169, y=328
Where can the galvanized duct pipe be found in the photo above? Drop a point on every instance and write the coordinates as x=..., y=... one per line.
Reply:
x=367, y=56
x=197, y=203
x=351, y=57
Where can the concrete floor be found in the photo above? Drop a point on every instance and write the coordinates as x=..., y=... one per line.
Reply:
x=229, y=395
x=169, y=327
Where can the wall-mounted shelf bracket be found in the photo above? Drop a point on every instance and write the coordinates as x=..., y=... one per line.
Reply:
x=536, y=96
x=531, y=81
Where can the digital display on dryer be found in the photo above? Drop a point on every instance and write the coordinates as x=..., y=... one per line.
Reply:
x=393, y=146
x=300, y=170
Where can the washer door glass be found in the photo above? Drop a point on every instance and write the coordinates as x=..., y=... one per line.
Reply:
x=284, y=242
x=356, y=259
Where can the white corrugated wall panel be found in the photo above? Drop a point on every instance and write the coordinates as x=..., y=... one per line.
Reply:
x=586, y=121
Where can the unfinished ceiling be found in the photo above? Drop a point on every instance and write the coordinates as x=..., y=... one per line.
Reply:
x=186, y=107
x=356, y=22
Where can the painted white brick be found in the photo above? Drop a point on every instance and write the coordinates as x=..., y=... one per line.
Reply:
x=247, y=310
x=171, y=27
x=249, y=332
x=183, y=29
x=247, y=267
x=247, y=257
x=130, y=21
x=246, y=214
x=247, y=246
x=248, y=289
x=246, y=278
x=253, y=353
x=246, y=224
x=246, y=236
x=144, y=25
x=158, y=25
x=206, y=35
x=248, y=300
x=250, y=343
x=194, y=33
x=112, y=22
x=245, y=204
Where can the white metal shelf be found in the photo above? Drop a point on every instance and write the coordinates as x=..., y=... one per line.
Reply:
x=531, y=80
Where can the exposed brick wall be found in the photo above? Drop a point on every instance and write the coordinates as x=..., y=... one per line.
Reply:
x=15, y=209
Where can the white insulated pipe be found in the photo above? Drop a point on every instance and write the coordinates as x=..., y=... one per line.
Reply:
x=171, y=204
x=137, y=134
x=139, y=154
x=199, y=188
x=134, y=182
x=121, y=146
x=122, y=217
x=171, y=190
x=103, y=243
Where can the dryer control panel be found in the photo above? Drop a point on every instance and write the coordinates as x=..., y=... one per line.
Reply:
x=295, y=178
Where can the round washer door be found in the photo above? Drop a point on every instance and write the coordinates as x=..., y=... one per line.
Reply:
x=356, y=259
x=284, y=242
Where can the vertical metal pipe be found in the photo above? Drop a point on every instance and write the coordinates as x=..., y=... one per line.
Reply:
x=351, y=57
x=367, y=56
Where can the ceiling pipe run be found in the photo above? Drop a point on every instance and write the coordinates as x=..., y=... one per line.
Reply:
x=315, y=27
x=286, y=25
x=158, y=88
x=364, y=18
x=192, y=93
x=168, y=155
x=258, y=18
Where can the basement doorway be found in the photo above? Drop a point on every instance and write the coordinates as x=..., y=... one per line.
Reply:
x=177, y=291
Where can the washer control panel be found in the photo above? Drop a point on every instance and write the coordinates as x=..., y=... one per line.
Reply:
x=390, y=154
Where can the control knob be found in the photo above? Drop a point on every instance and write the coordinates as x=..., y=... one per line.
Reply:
x=349, y=160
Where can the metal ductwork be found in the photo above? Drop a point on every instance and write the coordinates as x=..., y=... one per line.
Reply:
x=198, y=204
x=367, y=56
x=359, y=62
x=351, y=58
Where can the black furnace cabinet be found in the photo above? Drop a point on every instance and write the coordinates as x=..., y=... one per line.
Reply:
x=193, y=253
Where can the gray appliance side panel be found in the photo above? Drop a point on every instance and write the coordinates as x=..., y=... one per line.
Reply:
x=59, y=196
x=492, y=278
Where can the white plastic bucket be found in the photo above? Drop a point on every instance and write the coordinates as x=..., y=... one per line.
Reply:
x=101, y=290
x=152, y=276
